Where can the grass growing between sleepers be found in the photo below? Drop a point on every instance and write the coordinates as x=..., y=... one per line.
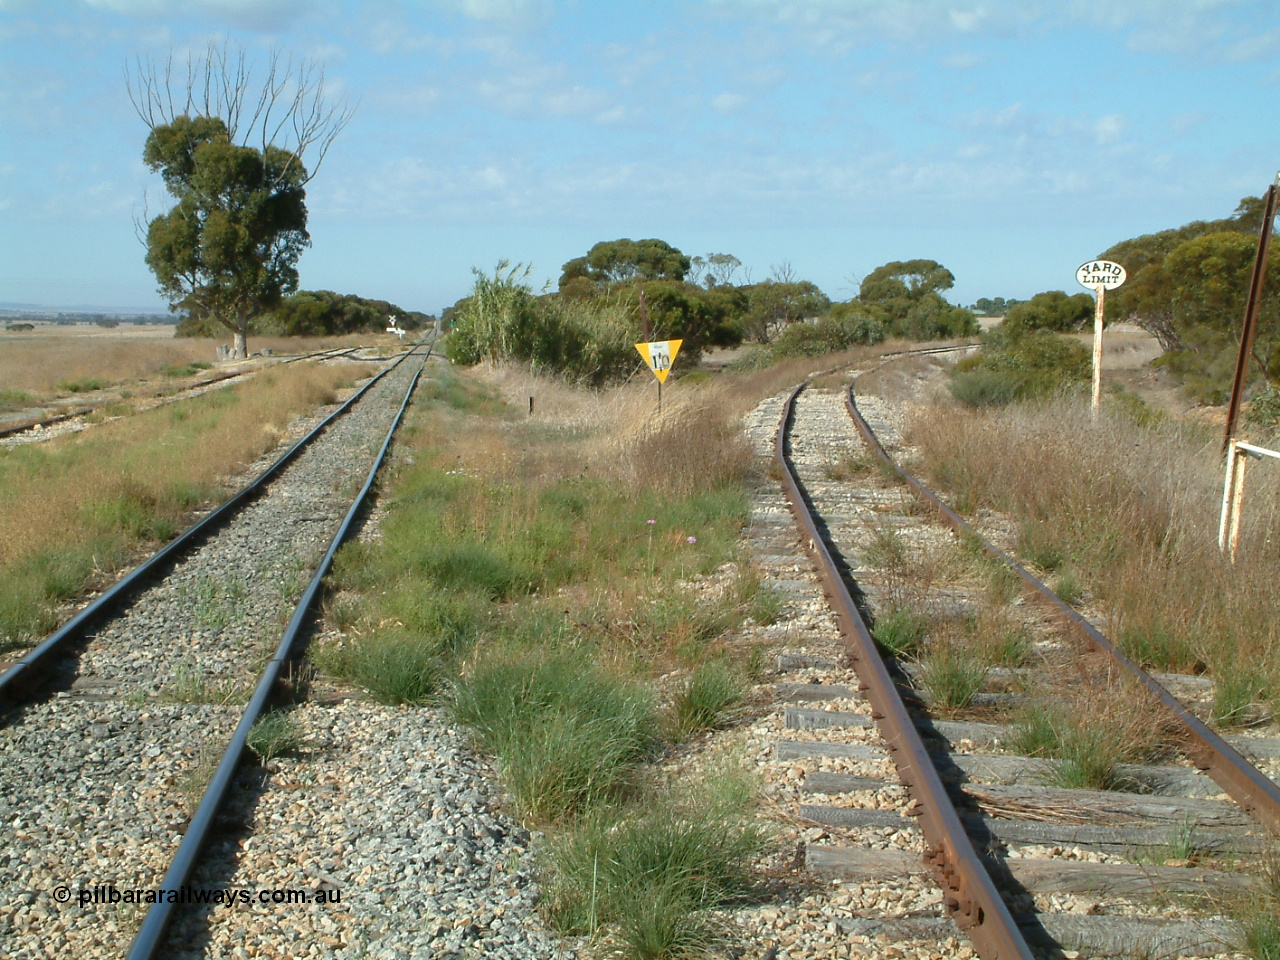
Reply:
x=537, y=582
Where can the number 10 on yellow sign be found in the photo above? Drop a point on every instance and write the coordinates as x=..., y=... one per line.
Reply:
x=658, y=355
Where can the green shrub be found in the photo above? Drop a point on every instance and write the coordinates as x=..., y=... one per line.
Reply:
x=83, y=385
x=707, y=699
x=650, y=870
x=567, y=735
x=1035, y=364
x=1052, y=310
x=589, y=341
x=1264, y=409
x=828, y=334
x=900, y=631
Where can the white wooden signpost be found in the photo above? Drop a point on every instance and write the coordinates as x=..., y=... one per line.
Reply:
x=1099, y=276
x=658, y=355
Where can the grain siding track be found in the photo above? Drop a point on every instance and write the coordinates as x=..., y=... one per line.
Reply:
x=1063, y=860
x=76, y=420
x=98, y=780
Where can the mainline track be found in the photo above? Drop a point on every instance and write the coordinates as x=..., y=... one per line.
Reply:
x=972, y=897
x=22, y=678
x=150, y=937
x=92, y=773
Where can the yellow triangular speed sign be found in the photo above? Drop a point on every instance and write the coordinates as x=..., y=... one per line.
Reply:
x=659, y=355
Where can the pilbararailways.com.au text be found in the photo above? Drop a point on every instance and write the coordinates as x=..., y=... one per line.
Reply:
x=109, y=894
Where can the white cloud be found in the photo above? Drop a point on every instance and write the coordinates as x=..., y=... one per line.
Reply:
x=1184, y=123
x=1004, y=119
x=841, y=22
x=248, y=14
x=1110, y=128
x=728, y=102
x=508, y=12
x=1225, y=30
x=961, y=61
x=575, y=101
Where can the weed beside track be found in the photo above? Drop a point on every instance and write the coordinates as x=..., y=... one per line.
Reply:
x=548, y=579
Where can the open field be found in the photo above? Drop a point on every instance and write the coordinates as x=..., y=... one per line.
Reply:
x=54, y=362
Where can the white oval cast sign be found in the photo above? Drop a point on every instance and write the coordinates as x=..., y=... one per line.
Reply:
x=1100, y=273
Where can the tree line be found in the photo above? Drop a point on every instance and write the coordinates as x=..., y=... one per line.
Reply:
x=1186, y=286
x=623, y=291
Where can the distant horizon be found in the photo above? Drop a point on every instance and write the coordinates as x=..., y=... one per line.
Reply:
x=86, y=309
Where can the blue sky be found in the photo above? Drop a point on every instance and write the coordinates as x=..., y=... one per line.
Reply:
x=1008, y=139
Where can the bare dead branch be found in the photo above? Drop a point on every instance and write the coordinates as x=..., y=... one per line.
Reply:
x=288, y=110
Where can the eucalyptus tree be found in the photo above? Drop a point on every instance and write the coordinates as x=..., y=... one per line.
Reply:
x=233, y=156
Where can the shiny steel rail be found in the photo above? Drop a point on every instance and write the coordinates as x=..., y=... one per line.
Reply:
x=969, y=895
x=1257, y=794
x=23, y=678
x=17, y=428
x=150, y=938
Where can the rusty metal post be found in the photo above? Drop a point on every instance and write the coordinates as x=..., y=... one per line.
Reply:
x=1251, y=314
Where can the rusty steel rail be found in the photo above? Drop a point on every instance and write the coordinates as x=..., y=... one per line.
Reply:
x=1257, y=794
x=969, y=895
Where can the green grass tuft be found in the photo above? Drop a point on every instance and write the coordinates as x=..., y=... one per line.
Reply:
x=951, y=675
x=900, y=632
x=567, y=734
x=651, y=871
x=273, y=735
x=707, y=699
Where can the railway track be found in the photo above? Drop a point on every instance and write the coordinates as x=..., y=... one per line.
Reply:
x=110, y=774
x=922, y=748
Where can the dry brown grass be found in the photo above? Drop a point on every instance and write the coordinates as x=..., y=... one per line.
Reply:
x=38, y=361
x=1135, y=510
x=77, y=505
x=36, y=366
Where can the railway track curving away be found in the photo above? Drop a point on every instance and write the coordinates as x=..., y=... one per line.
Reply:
x=114, y=725
x=1023, y=867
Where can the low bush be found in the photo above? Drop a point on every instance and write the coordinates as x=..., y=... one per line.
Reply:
x=567, y=735
x=652, y=871
x=707, y=699
x=588, y=341
x=14, y=399
x=828, y=334
x=1034, y=364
